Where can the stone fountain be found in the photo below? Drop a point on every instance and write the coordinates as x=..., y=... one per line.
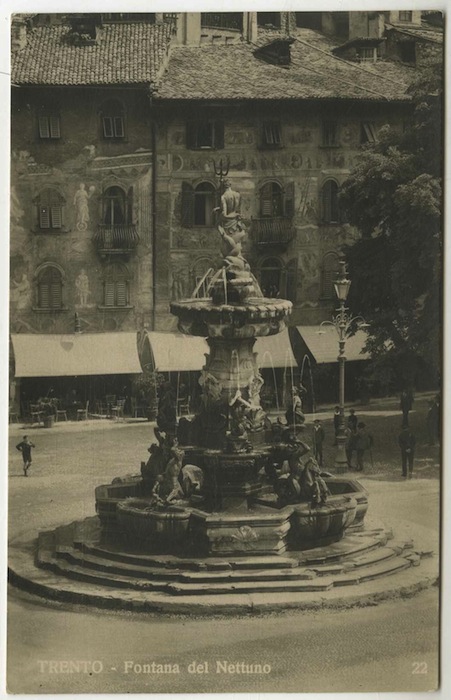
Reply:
x=244, y=502
x=228, y=502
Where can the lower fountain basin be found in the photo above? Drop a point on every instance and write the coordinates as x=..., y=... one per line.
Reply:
x=327, y=522
x=160, y=530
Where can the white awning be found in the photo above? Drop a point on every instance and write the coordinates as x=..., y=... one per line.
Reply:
x=175, y=352
x=275, y=351
x=76, y=354
x=323, y=344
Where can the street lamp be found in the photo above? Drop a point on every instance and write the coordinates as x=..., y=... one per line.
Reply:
x=342, y=322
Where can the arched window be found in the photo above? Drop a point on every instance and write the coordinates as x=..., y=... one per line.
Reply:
x=329, y=202
x=271, y=200
x=113, y=120
x=116, y=286
x=204, y=203
x=50, y=288
x=271, y=277
x=50, y=209
x=330, y=268
x=117, y=206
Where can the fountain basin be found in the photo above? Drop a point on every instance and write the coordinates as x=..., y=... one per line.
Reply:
x=313, y=526
x=159, y=530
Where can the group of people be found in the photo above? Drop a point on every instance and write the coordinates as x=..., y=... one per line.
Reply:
x=358, y=439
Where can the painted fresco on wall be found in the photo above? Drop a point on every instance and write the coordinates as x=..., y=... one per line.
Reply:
x=81, y=202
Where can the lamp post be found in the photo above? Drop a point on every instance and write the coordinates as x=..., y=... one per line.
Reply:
x=342, y=322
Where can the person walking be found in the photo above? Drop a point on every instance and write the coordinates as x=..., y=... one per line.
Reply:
x=407, y=441
x=363, y=442
x=318, y=439
x=405, y=405
x=432, y=422
x=352, y=421
x=336, y=422
x=25, y=447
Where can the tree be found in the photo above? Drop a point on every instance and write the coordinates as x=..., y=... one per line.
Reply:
x=394, y=198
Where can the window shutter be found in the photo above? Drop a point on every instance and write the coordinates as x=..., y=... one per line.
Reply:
x=108, y=127
x=44, y=296
x=191, y=134
x=266, y=200
x=109, y=293
x=267, y=133
x=288, y=207
x=44, y=128
x=292, y=272
x=55, y=215
x=121, y=293
x=54, y=127
x=118, y=127
x=44, y=217
x=218, y=134
x=187, y=218
x=55, y=295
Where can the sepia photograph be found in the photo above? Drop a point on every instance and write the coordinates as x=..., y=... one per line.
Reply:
x=225, y=375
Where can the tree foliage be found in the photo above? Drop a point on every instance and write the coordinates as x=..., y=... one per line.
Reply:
x=394, y=198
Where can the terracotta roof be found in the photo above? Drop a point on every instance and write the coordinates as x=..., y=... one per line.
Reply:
x=232, y=72
x=426, y=32
x=127, y=53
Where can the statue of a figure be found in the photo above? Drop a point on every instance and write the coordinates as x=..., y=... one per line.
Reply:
x=294, y=413
x=303, y=482
x=231, y=228
x=81, y=199
x=167, y=411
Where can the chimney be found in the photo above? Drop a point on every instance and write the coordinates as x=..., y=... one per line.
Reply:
x=250, y=27
x=18, y=33
x=188, y=28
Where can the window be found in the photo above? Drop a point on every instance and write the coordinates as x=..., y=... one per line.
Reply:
x=50, y=288
x=330, y=268
x=407, y=51
x=279, y=280
x=367, y=132
x=405, y=16
x=112, y=114
x=271, y=278
x=367, y=54
x=50, y=210
x=49, y=126
x=198, y=204
x=205, y=134
x=272, y=137
x=329, y=201
x=117, y=206
x=330, y=133
x=222, y=20
x=116, y=286
x=275, y=201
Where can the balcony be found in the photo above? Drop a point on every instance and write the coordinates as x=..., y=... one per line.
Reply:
x=117, y=239
x=275, y=232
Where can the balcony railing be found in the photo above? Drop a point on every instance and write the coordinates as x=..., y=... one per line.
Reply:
x=117, y=238
x=277, y=231
x=222, y=20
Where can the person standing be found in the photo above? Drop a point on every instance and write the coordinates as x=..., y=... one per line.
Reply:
x=363, y=442
x=405, y=405
x=352, y=421
x=350, y=445
x=318, y=439
x=25, y=447
x=432, y=421
x=406, y=441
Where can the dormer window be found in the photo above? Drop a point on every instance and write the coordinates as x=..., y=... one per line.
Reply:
x=405, y=16
x=367, y=54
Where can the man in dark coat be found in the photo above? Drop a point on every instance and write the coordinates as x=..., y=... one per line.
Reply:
x=406, y=441
x=363, y=442
x=25, y=447
x=405, y=405
x=318, y=439
x=352, y=421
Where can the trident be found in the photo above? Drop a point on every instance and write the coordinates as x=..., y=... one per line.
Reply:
x=221, y=170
